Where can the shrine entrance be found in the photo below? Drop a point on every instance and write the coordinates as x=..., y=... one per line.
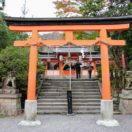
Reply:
x=69, y=26
x=56, y=66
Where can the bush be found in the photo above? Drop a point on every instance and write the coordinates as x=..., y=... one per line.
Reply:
x=17, y=59
x=130, y=65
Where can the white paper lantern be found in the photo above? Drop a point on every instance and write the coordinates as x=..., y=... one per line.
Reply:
x=80, y=58
x=61, y=58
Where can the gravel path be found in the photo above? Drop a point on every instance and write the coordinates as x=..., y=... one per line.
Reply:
x=63, y=123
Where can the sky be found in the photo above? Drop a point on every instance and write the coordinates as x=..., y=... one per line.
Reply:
x=36, y=8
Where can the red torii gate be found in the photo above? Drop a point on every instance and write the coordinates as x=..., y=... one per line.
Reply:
x=103, y=41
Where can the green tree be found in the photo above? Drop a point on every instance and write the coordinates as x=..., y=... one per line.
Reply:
x=118, y=8
x=93, y=8
x=8, y=37
x=4, y=34
x=66, y=8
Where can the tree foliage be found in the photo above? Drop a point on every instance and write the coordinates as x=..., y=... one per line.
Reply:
x=8, y=37
x=16, y=59
x=118, y=8
x=86, y=35
x=66, y=7
x=93, y=8
x=4, y=34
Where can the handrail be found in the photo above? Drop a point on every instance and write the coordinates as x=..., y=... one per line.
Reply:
x=100, y=86
x=40, y=86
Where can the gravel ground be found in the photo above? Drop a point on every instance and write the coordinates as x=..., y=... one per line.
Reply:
x=63, y=123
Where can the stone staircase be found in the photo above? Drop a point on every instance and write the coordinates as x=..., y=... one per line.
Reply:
x=86, y=96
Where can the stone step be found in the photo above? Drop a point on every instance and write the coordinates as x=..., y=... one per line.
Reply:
x=75, y=104
x=52, y=111
x=84, y=82
x=94, y=111
x=72, y=83
x=65, y=93
x=52, y=104
x=73, y=80
x=73, y=90
x=53, y=97
x=65, y=107
x=86, y=107
x=65, y=100
x=66, y=88
x=74, y=97
x=53, y=107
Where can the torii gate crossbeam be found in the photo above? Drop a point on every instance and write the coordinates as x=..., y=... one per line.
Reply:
x=35, y=42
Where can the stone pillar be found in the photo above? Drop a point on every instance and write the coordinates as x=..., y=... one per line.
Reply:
x=31, y=103
x=10, y=104
x=106, y=102
x=107, y=114
x=30, y=114
x=125, y=105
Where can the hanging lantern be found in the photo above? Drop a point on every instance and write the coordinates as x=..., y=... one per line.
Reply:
x=48, y=59
x=90, y=59
x=80, y=58
x=82, y=51
x=56, y=50
x=61, y=58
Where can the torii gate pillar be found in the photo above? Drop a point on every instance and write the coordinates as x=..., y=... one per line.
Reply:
x=30, y=111
x=106, y=102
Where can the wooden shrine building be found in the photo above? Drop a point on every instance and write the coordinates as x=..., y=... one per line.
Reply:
x=55, y=60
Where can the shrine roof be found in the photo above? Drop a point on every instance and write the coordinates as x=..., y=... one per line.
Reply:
x=19, y=21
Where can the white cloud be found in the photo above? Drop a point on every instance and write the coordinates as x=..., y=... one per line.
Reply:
x=36, y=8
